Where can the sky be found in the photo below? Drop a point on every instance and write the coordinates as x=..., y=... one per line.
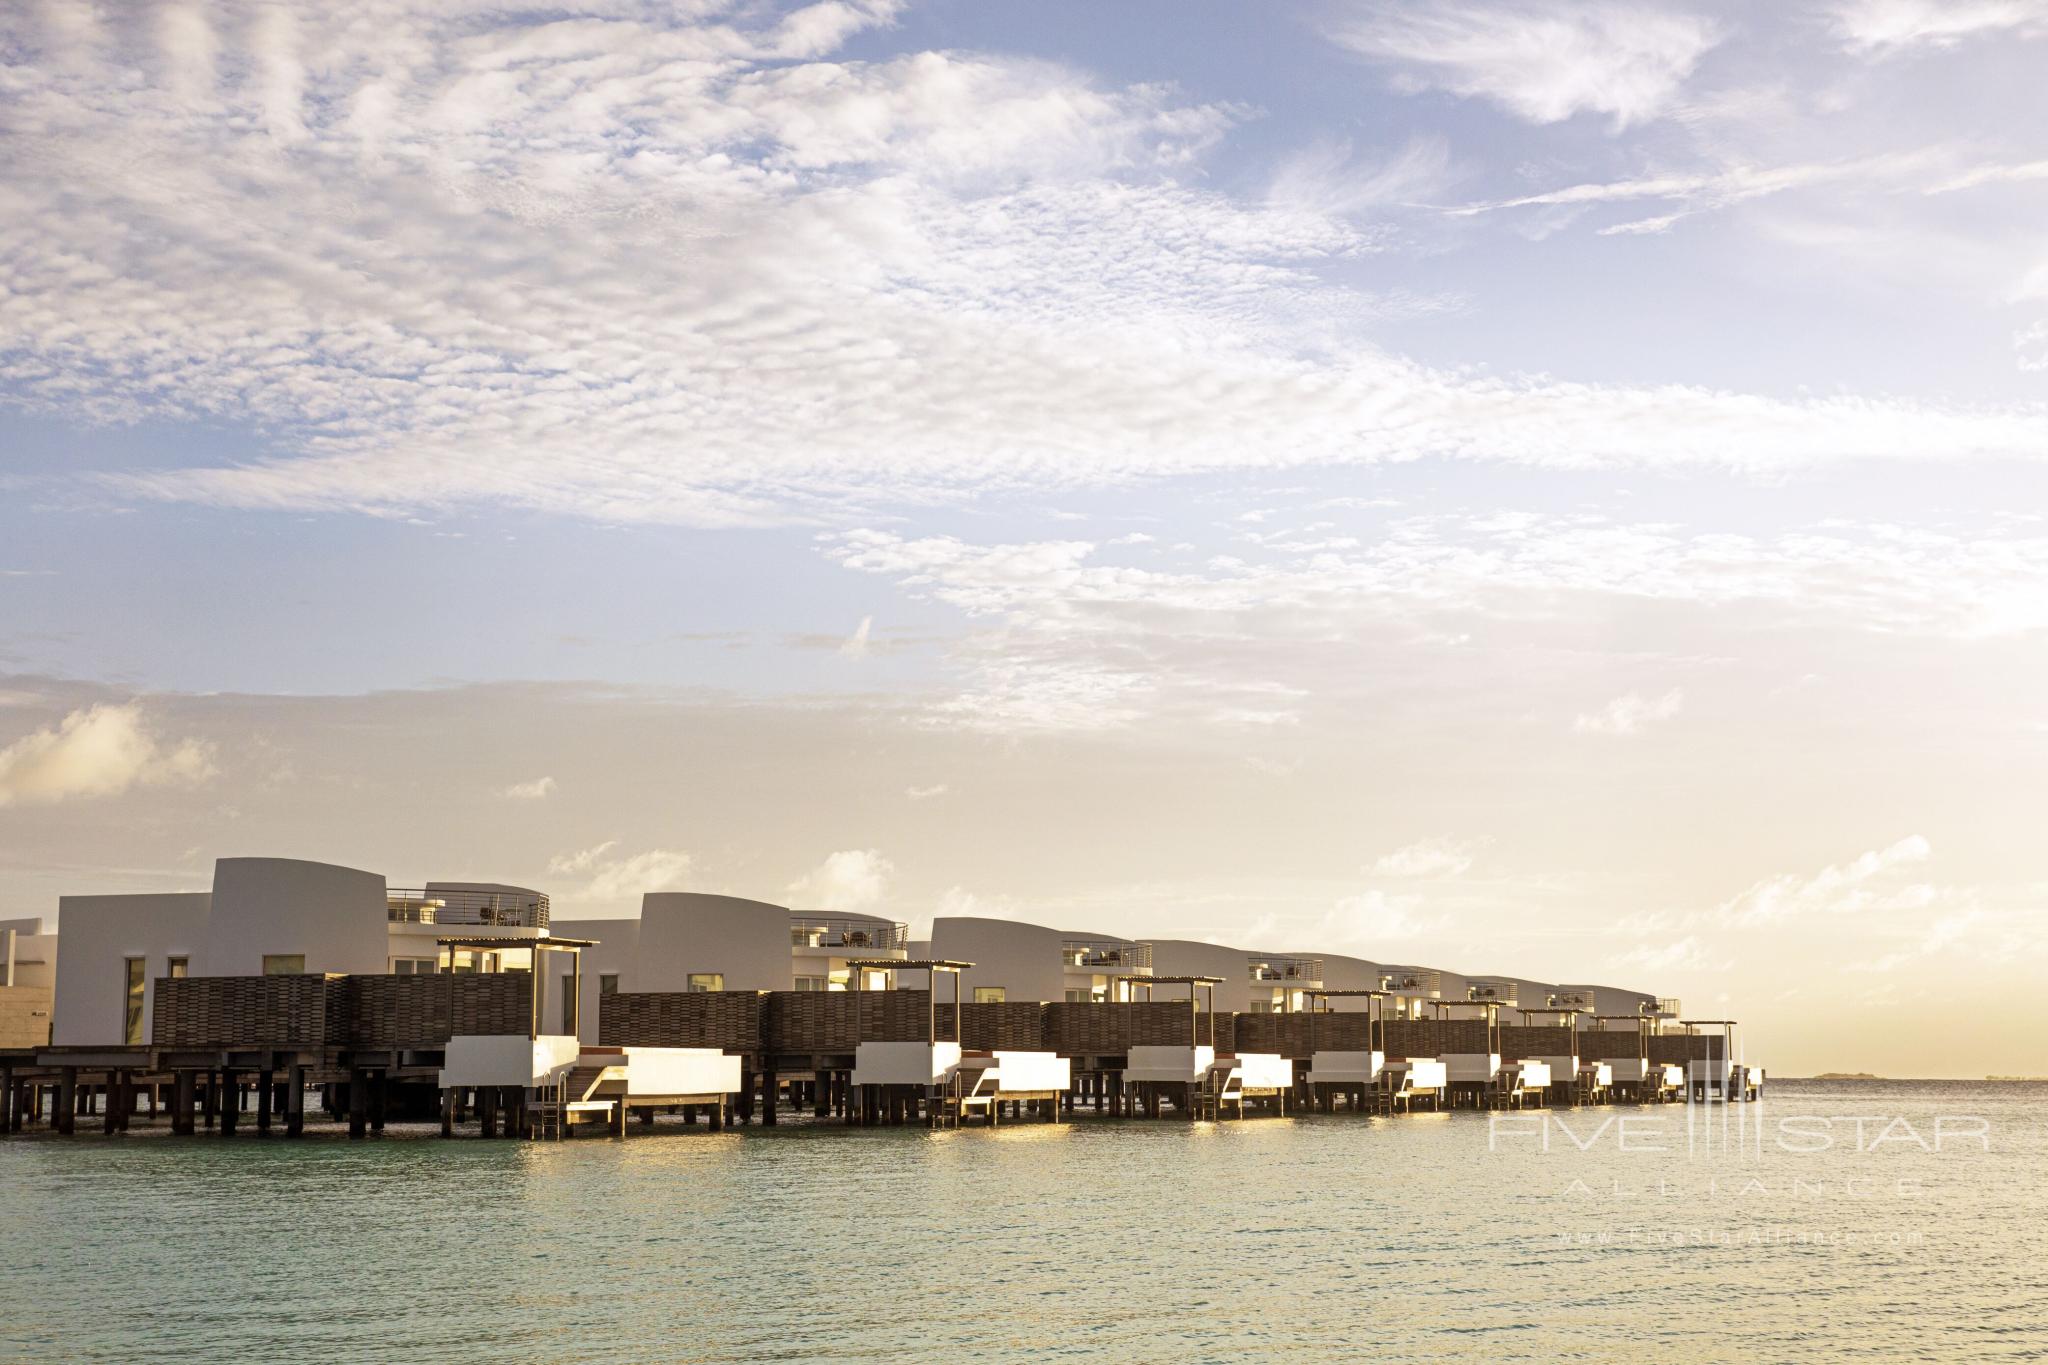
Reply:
x=1539, y=489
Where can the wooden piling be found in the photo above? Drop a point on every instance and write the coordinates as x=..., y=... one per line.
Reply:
x=183, y=1094
x=358, y=1103
x=266, y=1095
x=294, y=1100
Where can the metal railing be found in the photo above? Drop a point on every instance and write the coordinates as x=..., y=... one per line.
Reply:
x=1667, y=1007
x=835, y=931
x=1499, y=992
x=1302, y=971
x=1572, y=1000
x=499, y=908
x=1403, y=982
x=1110, y=955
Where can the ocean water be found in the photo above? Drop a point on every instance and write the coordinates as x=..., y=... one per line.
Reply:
x=1919, y=1232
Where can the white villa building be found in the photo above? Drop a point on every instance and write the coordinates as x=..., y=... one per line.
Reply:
x=1018, y=961
x=286, y=916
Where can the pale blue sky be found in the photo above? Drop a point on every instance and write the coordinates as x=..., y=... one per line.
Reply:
x=1153, y=464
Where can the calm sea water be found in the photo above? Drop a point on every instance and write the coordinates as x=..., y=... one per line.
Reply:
x=1437, y=1236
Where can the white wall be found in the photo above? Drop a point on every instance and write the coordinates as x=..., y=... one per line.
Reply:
x=1350, y=974
x=683, y=932
x=98, y=933
x=1024, y=959
x=335, y=916
x=1184, y=957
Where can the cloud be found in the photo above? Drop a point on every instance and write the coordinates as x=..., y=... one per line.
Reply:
x=635, y=267
x=1059, y=640
x=851, y=879
x=538, y=789
x=1438, y=857
x=102, y=750
x=1372, y=920
x=856, y=645
x=1542, y=62
x=926, y=793
x=616, y=881
x=1872, y=881
x=1627, y=715
x=1886, y=26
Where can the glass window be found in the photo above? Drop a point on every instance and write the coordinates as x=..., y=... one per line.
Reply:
x=284, y=964
x=988, y=995
x=569, y=1003
x=180, y=968
x=1079, y=997
x=608, y=984
x=413, y=966
x=707, y=981
x=812, y=983
x=131, y=1028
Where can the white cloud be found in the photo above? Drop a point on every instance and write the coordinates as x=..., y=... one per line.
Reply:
x=1437, y=857
x=797, y=292
x=1627, y=715
x=102, y=750
x=856, y=646
x=1542, y=62
x=621, y=881
x=538, y=789
x=851, y=879
x=1872, y=881
x=926, y=793
x=1371, y=921
x=1061, y=641
x=1889, y=25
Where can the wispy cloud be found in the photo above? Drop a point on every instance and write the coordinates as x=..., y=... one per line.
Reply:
x=1543, y=62
x=1885, y=26
x=618, y=882
x=1630, y=714
x=1438, y=857
x=538, y=789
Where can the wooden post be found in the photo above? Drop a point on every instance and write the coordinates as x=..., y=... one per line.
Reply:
x=768, y=1098
x=448, y=1112
x=266, y=1094
x=230, y=1101
x=358, y=1103
x=212, y=1101
x=487, y=1111
x=377, y=1082
x=294, y=1100
x=110, y=1121
x=66, y=1109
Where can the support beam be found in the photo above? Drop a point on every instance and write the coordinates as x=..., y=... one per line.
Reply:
x=358, y=1103
x=294, y=1100
x=230, y=1101
x=183, y=1093
x=67, y=1100
x=266, y=1095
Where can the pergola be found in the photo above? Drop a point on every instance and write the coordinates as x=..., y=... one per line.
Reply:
x=1195, y=1002
x=933, y=967
x=1375, y=1014
x=572, y=946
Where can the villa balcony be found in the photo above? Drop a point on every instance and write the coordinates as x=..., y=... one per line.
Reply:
x=1422, y=985
x=1492, y=992
x=1294, y=971
x=848, y=933
x=492, y=909
x=1107, y=955
x=1573, y=1000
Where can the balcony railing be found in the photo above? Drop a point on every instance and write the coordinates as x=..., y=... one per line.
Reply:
x=497, y=908
x=1572, y=1000
x=1302, y=971
x=866, y=935
x=1107, y=955
x=1667, y=1007
x=1428, y=985
x=1499, y=992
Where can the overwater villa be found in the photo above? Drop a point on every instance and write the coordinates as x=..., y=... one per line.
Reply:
x=462, y=1001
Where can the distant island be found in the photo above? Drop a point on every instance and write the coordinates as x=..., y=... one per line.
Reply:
x=2016, y=1078
x=1847, y=1076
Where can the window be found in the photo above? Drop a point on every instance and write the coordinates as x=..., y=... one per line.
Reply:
x=813, y=983
x=707, y=981
x=412, y=966
x=988, y=995
x=180, y=968
x=1079, y=997
x=570, y=1013
x=608, y=984
x=131, y=1029
x=284, y=964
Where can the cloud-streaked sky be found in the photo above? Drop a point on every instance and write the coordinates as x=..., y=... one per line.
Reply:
x=1536, y=488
